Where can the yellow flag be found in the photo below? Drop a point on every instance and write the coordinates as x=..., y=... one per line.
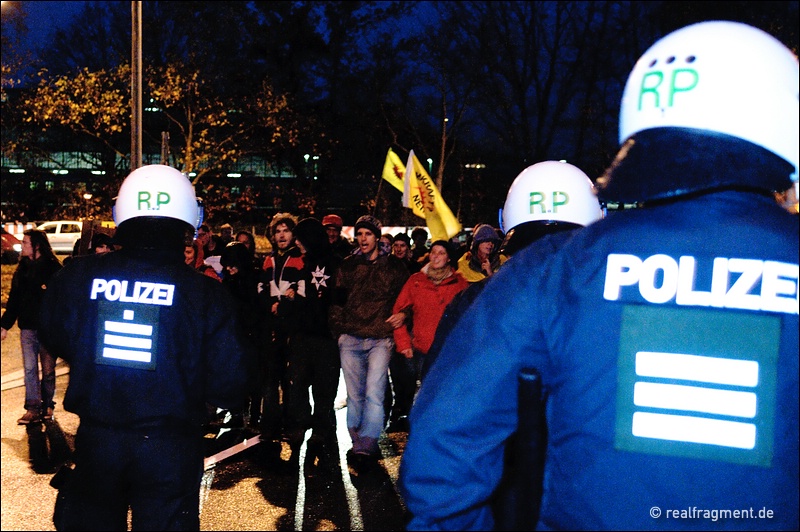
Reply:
x=440, y=220
x=394, y=172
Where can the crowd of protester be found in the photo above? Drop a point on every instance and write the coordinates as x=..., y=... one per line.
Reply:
x=289, y=327
x=309, y=305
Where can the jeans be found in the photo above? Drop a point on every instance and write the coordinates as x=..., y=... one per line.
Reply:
x=38, y=394
x=365, y=364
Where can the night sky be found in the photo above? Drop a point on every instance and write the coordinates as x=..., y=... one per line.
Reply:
x=44, y=17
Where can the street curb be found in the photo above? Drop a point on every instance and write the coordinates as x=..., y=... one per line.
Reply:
x=16, y=379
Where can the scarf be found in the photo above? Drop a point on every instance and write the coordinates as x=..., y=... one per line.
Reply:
x=437, y=275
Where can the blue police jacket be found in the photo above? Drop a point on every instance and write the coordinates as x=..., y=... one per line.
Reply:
x=667, y=342
x=149, y=340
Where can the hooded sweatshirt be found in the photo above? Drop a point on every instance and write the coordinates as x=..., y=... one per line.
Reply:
x=320, y=264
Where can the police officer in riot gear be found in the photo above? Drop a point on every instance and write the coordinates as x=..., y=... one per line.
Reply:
x=666, y=336
x=150, y=342
x=545, y=203
x=545, y=198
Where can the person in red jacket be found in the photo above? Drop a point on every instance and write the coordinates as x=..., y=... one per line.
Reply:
x=193, y=256
x=424, y=298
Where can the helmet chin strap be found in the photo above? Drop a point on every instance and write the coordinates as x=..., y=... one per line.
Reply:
x=201, y=213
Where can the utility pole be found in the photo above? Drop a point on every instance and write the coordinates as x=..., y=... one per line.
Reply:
x=136, y=84
x=165, y=147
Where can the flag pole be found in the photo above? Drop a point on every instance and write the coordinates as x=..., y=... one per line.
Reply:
x=377, y=196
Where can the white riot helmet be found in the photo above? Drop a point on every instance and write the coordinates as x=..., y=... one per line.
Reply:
x=544, y=198
x=725, y=89
x=157, y=191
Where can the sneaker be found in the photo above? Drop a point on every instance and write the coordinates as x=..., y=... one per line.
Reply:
x=317, y=457
x=398, y=425
x=294, y=460
x=31, y=416
x=365, y=463
x=233, y=421
x=48, y=414
x=269, y=455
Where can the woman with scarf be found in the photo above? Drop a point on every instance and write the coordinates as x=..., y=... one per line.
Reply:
x=423, y=300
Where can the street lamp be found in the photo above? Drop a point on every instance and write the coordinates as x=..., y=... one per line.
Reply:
x=87, y=196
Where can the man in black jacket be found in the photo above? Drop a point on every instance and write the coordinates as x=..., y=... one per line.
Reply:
x=313, y=352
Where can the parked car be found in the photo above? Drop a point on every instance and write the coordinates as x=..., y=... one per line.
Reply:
x=62, y=234
x=12, y=247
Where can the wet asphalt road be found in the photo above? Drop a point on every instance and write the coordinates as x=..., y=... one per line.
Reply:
x=240, y=492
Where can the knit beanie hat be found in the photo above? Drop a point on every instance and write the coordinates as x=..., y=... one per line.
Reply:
x=370, y=223
x=404, y=237
x=332, y=219
x=485, y=233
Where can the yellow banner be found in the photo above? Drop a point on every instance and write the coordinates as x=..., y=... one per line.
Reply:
x=440, y=220
x=394, y=172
